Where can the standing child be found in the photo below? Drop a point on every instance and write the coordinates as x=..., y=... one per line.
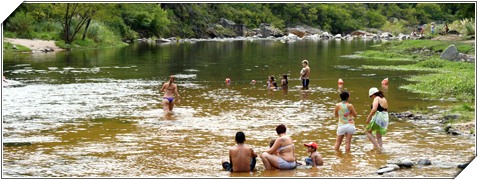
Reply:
x=314, y=159
x=344, y=112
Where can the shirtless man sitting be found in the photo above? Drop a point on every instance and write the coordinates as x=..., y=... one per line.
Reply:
x=241, y=157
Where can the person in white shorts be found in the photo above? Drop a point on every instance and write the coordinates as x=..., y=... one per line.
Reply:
x=345, y=113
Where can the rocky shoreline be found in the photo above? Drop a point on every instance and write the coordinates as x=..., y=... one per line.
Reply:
x=439, y=121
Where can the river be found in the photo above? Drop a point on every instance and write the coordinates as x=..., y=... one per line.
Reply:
x=98, y=112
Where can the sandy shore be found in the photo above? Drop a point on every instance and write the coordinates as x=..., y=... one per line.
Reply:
x=34, y=45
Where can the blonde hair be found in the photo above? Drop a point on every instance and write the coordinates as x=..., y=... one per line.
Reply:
x=305, y=61
x=171, y=80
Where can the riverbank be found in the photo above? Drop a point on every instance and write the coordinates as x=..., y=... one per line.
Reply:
x=445, y=80
x=35, y=46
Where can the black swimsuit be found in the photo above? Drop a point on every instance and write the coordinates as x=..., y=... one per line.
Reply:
x=379, y=108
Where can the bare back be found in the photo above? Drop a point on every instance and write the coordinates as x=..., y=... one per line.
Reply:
x=240, y=157
x=285, y=146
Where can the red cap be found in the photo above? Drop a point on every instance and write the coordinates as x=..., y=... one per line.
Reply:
x=311, y=144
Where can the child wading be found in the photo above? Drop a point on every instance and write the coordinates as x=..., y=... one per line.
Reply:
x=344, y=112
x=314, y=159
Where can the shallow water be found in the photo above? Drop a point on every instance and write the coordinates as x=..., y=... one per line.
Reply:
x=98, y=113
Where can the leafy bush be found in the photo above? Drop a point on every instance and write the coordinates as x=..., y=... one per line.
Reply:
x=21, y=24
x=9, y=34
x=101, y=34
x=395, y=27
x=465, y=26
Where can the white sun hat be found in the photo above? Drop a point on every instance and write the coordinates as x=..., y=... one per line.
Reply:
x=372, y=91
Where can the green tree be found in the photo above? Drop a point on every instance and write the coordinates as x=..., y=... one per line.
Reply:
x=73, y=16
x=22, y=23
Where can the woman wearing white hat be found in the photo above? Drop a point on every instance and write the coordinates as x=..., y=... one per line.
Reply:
x=377, y=120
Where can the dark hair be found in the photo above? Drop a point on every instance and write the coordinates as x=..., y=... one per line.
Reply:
x=281, y=129
x=271, y=143
x=286, y=80
x=240, y=137
x=272, y=78
x=344, y=95
x=379, y=93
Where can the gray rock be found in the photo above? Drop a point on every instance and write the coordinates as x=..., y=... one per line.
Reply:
x=455, y=133
x=267, y=30
x=452, y=116
x=451, y=53
x=385, y=170
x=394, y=166
x=463, y=166
x=425, y=162
x=405, y=163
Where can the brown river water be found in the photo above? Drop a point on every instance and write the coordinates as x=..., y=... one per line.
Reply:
x=98, y=113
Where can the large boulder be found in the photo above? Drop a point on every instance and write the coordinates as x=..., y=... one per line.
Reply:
x=360, y=33
x=302, y=31
x=326, y=35
x=267, y=30
x=451, y=53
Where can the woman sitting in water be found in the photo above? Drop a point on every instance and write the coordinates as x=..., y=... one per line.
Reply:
x=285, y=149
x=169, y=89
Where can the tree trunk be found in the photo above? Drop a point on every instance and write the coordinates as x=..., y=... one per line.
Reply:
x=86, y=29
x=66, y=27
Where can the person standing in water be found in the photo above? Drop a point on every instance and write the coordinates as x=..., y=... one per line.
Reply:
x=377, y=120
x=170, y=89
x=345, y=112
x=304, y=74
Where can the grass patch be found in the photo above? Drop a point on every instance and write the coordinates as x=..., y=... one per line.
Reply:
x=432, y=45
x=375, y=54
x=455, y=84
x=8, y=47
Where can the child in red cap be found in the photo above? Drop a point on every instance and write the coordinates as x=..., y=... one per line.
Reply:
x=314, y=159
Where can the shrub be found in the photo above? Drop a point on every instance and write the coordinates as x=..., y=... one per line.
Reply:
x=22, y=24
x=102, y=34
x=465, y=26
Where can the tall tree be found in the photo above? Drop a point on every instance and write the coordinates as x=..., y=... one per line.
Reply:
x=73, y=17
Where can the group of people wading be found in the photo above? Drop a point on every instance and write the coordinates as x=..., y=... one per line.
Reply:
x=281, y=152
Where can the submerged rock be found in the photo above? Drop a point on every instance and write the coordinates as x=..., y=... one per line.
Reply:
x=401, y=162
x=425, y=162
